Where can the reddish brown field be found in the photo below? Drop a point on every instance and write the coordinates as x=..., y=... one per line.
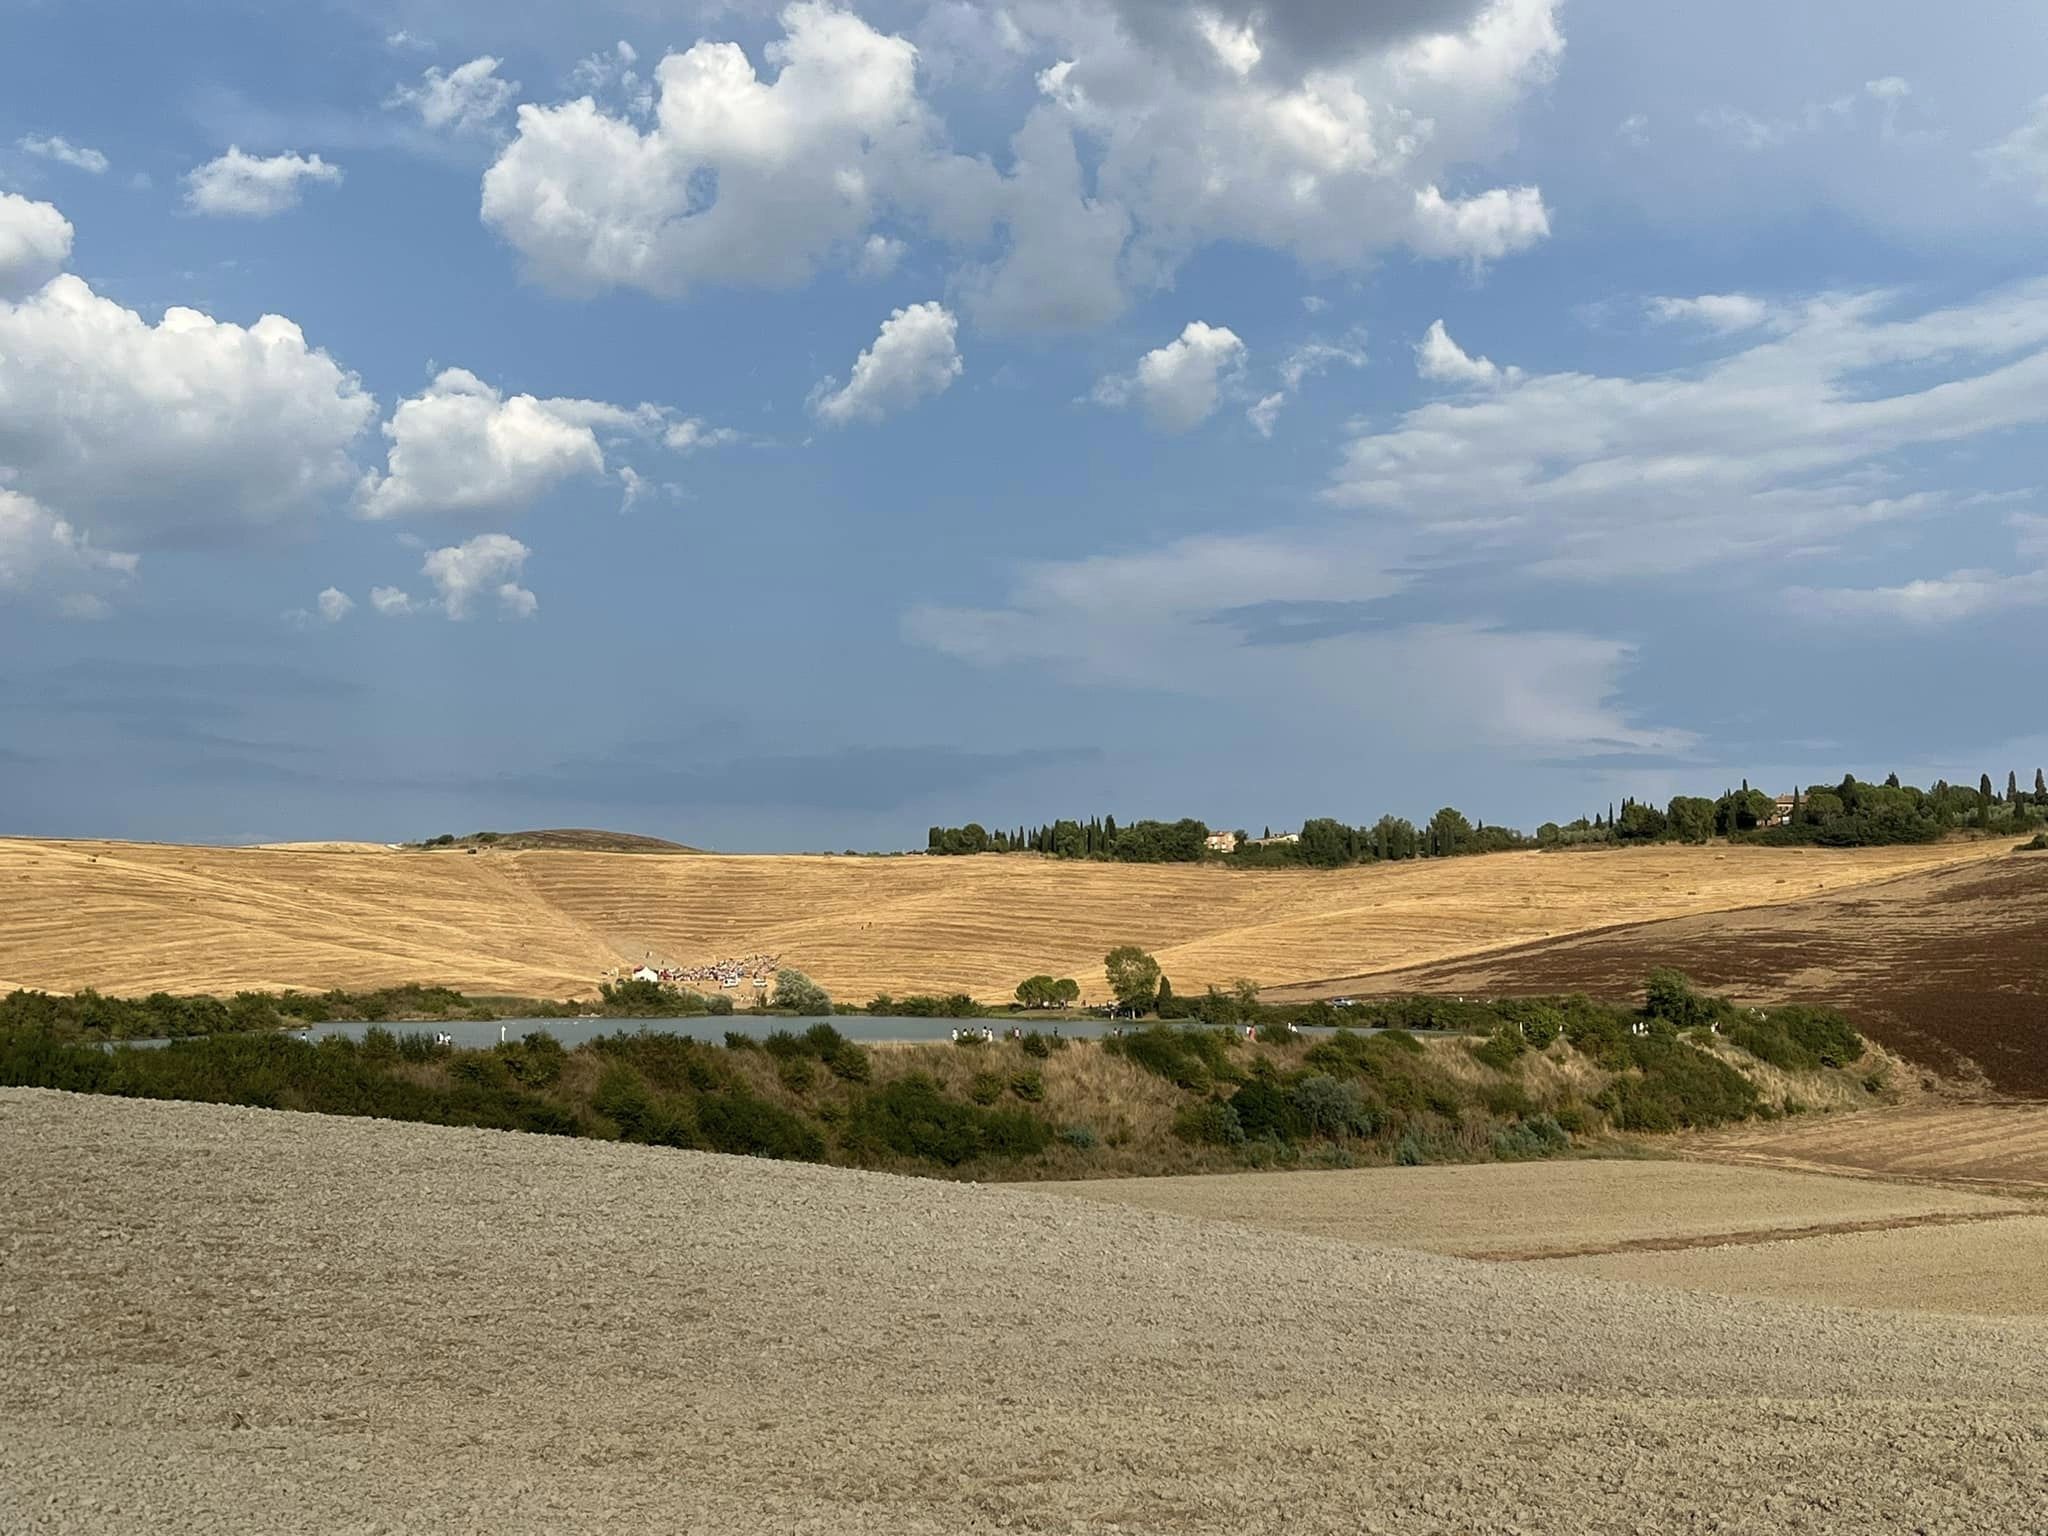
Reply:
x=1947, y=967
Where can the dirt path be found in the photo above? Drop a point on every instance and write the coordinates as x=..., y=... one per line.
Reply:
x=223, y=1320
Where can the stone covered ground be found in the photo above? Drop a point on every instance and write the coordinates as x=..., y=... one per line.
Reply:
x=230, y=1320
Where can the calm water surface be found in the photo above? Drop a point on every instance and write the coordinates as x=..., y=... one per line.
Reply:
x=867, y=1028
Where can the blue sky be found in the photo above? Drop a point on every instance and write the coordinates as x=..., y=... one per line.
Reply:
x=783, y=428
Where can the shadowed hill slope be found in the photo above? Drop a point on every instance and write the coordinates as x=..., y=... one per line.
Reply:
x=1947, y=967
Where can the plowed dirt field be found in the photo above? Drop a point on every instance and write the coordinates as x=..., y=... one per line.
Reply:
x=228, y=1320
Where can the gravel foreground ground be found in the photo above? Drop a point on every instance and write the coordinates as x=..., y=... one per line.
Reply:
x=227, y=1320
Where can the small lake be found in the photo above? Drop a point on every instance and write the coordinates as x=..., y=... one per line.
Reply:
x=869, y=1029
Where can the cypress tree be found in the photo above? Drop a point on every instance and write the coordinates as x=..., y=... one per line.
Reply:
x=2012, y=787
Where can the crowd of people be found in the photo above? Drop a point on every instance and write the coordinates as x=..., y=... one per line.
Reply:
x=759, y=969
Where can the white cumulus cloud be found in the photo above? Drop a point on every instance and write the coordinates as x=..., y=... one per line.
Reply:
x=693, y=432
x=487, y=566
x=1158, y=130
x=1178, y=385
x=334, y=605
x=391, y=602
x=740, y=179
x=41, y=552
x=467, y=99
x=35, y=242
x=462, y=449
x=245, y=186
x=189, y=431
x=64, y=152
x=915, y=356
x=1440, y=358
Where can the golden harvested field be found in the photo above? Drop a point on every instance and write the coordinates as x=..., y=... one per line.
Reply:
x=240, y=1321
x=1995, y=1268
x=135, y=917
x=1543, y=1210
x=2000, y=1146
x=1927, y=1208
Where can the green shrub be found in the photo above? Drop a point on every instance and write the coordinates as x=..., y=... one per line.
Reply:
x=718, y=1004
x=738, y=1122
x=1674, y=1086
x=1191, y=1058
x=912, y=1118
x=379, y=1045
x=850, y=1064
x=986, y=1088
x=1209, y=1123
x=1325, y=1106
x=1410, y=1151
x=1501, y=1049
x=1508, y=1100
x=1669, y=995
x=1539, y=1136
x=1028, y=1086
x=796, y=1073
x=1080, y=1137
x=1265, y=1109
x=736, y=1040
x=1036, y=1044
x=1798, y=1038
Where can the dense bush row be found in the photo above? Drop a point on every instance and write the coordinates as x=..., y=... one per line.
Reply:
x=1535, y=1073
x=1660, y=1071
x=160, y=1016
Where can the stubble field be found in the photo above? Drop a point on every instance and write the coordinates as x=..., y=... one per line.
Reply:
x=133, y=918
x=232, y=1320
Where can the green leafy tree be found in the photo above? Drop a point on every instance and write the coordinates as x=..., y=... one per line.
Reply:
x=1449, y=832
x=1640, y=823
x=1690, y=818
x=1133, y=977
x=798, y=993
x=1037, y=992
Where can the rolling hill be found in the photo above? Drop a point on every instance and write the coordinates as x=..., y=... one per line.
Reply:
x=1947, y=966
x=136, y=917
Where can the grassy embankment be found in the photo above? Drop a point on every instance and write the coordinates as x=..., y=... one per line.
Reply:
x=1555, y=1074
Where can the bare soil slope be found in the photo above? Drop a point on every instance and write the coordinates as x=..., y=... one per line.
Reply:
x=1948, y=967
x=131, y=918
x=231, y=1320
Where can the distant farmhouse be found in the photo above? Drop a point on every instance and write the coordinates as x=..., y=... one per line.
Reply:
x=1221, y=842
x=1274, y=840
